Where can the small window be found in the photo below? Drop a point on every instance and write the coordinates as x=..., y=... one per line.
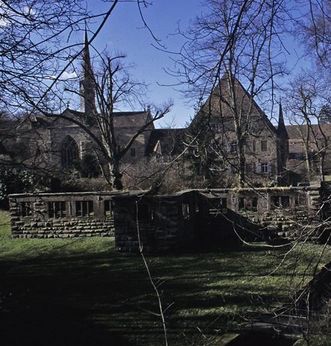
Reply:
x=233, y=147
x=253, y=146
x=264, y=167
x=296, y=156
x=224, y=203
x=281, y=201
x=264, y=145
x=108, y=207
x=57, y=209
x=25, y=208
x=254, y=204
x=84, y=208
x=133, y=152
x=285, y=201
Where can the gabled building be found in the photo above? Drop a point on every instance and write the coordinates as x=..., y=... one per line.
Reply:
x=230, y=141
x=233, y=140
x=60, y=142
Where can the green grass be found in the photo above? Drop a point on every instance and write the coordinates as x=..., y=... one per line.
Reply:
x=81, y=292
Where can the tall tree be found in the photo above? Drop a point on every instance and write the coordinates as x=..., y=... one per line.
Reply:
x=239, y=40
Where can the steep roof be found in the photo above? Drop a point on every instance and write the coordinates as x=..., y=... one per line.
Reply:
x=166, y=141
x=134, y=120
x=300, y=131
x=242, y=97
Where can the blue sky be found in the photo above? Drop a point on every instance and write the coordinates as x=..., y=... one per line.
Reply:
x=124, y=33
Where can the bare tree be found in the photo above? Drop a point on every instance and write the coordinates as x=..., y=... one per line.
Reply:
x=317, y=30
x=233, y=41
x=306, y=100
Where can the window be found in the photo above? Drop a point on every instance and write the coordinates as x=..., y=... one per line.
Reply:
x=296, y=156
x=241, y=203
x=264, y=167
x=253, y=146
x=108, y=207
x=285, y=201
x=233, y=147
x=247, y=203
x=264, y=145
x=133, y=152
x=57, y=209
x=84, y=208
x=281, y=201
x=25, y=208
x=69, y=153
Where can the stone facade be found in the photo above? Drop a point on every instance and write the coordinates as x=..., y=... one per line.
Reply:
x=184, y=220
x=236, y=141
x=228, y=141
x=193, y=219
x=61, y=215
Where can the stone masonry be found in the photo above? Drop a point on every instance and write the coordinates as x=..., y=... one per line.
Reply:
x=61, y=215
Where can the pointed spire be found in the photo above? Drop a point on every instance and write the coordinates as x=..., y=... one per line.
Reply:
x=86, y=54
x=87, y=83
x=281, y=129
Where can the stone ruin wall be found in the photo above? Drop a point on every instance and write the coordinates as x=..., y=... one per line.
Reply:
x=282, y=207
x=61, y=215
x=66, y=215
x=162, y=227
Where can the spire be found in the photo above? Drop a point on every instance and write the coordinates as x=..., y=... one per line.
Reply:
x=87, y=84
x=281, y=129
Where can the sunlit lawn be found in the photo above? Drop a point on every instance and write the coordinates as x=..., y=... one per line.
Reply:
x=82, y=292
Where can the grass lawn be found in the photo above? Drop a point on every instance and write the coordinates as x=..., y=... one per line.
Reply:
x=81, y=292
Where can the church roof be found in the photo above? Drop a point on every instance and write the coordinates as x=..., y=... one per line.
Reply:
x=166, y=141
x=135, y=120
x=243, y=96
x=300, y=131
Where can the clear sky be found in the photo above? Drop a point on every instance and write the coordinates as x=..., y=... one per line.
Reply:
x=124, y=33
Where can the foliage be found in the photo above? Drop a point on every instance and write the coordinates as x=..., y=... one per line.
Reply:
x=19, y=180
x=89, y=166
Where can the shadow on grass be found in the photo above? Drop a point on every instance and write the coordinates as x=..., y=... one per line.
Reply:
x=103, y=298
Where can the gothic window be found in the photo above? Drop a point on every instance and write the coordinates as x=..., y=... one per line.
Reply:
x=69, y=153
x=133, y=152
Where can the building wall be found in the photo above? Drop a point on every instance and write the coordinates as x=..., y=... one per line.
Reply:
x=166, y=222
x=61, y=215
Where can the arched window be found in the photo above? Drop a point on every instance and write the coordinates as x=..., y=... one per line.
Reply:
x=69, y=153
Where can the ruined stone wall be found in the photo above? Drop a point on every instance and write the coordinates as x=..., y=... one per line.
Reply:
x=61, y=215
x=164, y=223
x=281, y=207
